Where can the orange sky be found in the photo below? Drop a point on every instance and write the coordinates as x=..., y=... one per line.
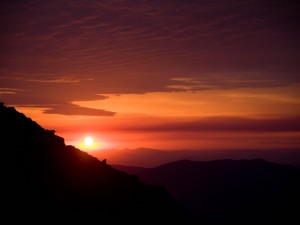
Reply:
x=194, y=120
x=156, y=74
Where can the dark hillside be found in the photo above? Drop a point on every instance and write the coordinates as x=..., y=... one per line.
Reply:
x=42, y=176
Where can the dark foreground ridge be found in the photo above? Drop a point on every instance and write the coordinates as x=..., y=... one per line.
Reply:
x=43, y=178
x=230, y=191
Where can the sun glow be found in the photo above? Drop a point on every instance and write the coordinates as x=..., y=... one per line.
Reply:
x=88, y=141
x=89, y=144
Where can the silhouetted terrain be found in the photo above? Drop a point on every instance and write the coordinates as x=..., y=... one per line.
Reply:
x=230, y=191
x=44, y=178
x=146, y=157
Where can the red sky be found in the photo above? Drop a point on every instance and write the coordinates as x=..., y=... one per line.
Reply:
x=157, y=74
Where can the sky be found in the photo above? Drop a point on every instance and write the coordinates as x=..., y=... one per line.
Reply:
x=156, y=74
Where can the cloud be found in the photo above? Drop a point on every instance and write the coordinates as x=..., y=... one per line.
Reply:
x=53, y=95
x=9, y=90
x=80, y=49
x=247, y=102
x=71, y=109
x=225, y=124
x=213, y=81
x=114, y=35
x=68, y=80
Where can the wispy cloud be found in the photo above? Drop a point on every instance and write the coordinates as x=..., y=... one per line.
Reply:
x=9, y=90
x=71, y=109
x=213, y=81
x=124, y=47
x=69, y=80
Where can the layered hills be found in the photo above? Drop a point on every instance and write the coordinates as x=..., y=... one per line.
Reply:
x=230, y=191
x=44, y=179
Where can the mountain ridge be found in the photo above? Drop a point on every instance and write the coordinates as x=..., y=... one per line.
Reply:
x=230, y=191
x=42, y=177
x=148, y=158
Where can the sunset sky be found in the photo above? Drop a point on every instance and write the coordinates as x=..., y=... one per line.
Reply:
x=158, y=74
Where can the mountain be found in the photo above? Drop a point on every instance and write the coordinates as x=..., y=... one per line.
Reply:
x=146, y=157
x=44, y=178
x=230, y=191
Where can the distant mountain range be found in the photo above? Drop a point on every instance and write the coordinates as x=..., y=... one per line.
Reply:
x=230, y=191
x=43, y=179
x=145, y=157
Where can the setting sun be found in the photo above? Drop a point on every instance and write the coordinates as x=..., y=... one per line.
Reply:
x=88, y=141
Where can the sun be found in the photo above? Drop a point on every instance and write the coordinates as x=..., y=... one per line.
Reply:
x=88, y=141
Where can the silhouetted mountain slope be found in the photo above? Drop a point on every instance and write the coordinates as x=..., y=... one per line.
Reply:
x=232, y=191
x=128, y=169
x=43, y=177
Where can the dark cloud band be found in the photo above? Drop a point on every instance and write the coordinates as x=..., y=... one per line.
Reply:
x=225, y=124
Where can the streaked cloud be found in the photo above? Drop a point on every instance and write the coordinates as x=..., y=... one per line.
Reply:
x=9, y=90
x=242, y=102
x=225, y=124
x=69, y=80
x=76, y=50
x=71, y=109
x=216, y=82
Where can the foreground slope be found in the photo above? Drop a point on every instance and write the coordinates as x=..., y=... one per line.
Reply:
x=231, y=191
x=42, y=176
